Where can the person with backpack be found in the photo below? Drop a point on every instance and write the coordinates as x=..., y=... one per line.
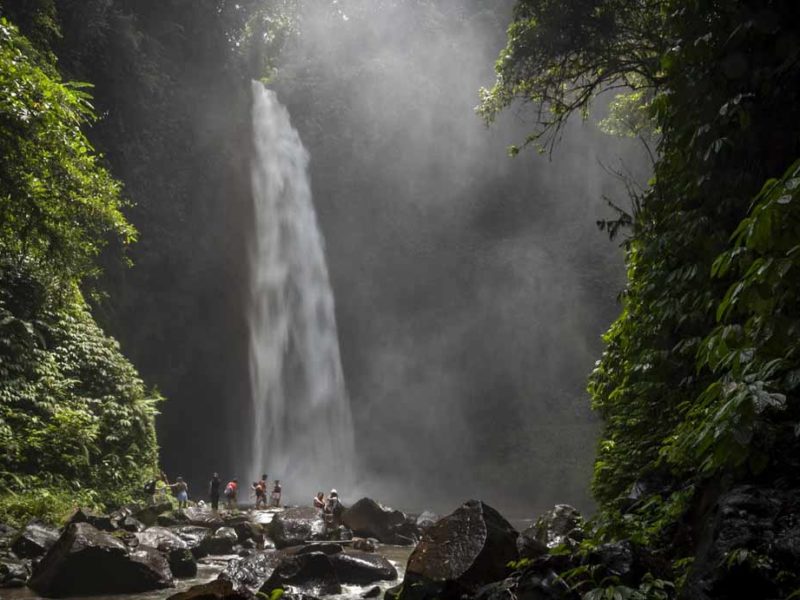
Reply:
x=231, y=493
x=213, y=491
x=260, y=488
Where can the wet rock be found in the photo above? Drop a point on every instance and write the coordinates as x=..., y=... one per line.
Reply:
x=529, y=546
x=295, y=526
x=367, y=518
x=249, y=531
x=87, y=561
x=7, y=536
x=173, y=519
x=361, y=568
x=149, y=514
x=221, y=542
x=131, y=524
x=248, y=575
x=14, y=572
x=182, y=562
x=461, y=553
x=426, y=519
x=365, y=545
x=617, y=557
x=324, y=547
x=83, y=515
x=372, y=592
x=203, y=517
x=219, y=589
x=195, y=538
x=310, y=573
x=35, y=540
x=563, y=524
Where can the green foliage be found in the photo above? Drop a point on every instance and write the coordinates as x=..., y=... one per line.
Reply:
x=71, y=406
x=698, y=382
x=76, y=422
x=57, y=205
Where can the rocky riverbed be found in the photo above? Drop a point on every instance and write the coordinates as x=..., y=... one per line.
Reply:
x=373, y=551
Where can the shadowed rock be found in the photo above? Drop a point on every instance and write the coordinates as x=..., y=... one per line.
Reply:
x=35, y=540
x=218, y=589
x=367, y=518
x=311, y=573
x=294, y=526
x=86, y=561
x=361, y=568
x=460, y=553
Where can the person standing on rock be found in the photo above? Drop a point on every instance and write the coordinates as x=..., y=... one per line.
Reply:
x=319, y=501
x=231, y=492
x=181, y=492
x=276, y=493
x=260, y=488
x=213, y=491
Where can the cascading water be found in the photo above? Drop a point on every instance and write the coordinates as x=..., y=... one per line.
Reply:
x=302, y=429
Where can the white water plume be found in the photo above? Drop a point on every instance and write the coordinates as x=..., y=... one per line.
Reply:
x=302, y=431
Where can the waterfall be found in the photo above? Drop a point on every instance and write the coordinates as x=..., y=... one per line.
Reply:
x=302, y=431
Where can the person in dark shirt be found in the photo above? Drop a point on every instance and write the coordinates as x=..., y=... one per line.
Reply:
x=213, y=491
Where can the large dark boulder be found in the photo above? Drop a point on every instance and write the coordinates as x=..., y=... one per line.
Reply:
x=248, y=574
x=101, y=522
x=181, y=560
x=295, y=526
x=35, y=540
x=87, y=561
x=310, y=573
x=203, y=517
x=562, y=525
x=529, y=545
x=460, y=553
x=221, y=542
x=195, y=538
x=367, y=518
x=149, y=514
x=361, y=568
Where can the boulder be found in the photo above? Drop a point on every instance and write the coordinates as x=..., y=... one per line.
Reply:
x=35, y=540
x=529, y=545
x=149, y=514
x=528, y=584
x=101, y=522
x=86, y=561
x=173, y=519
x=131, y=524
x=219, y=589
x=324, y=547
x=295, y=526
x=365, y=544
x=203, y=517
x=14, y=572
x=310, y=573
x=372, y=592
x=181, y=560
x=249, y=531
x=461, y=553
x=221, y=542
x=195, y=538
x=247, y=575
x=426, y=519
x=361, y=568
x=7, y=536
x=367, y=518
x=562, y=525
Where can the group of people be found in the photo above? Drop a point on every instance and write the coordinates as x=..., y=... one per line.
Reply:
x=231, y=492
x=331, y=507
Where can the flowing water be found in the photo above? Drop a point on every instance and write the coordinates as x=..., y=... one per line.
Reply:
x=302, y=430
